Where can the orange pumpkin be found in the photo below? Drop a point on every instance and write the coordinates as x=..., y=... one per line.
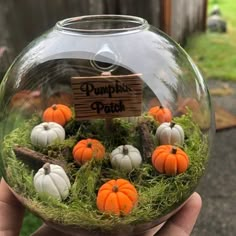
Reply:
x=160, y=114
x=170, y=160
x=57, y=113
x=117, y=197
x=86, y=149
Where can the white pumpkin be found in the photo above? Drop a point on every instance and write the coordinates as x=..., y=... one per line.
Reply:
x=170, y=133
x=52, y=180
x=125, y=157
x=46, y=133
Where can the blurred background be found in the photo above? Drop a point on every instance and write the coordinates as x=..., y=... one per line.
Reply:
x=205, y=29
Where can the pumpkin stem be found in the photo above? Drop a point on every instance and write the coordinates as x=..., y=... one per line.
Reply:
x=161, y=107
x=174, y=150
x=125, y=150
x=46, y=168
x=46, y=127
x=89, y=145
x=172, y=124
x=115, y=188
x=54, y=106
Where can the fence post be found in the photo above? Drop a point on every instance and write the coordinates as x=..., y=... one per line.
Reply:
x=204, y=17
x=166, y=16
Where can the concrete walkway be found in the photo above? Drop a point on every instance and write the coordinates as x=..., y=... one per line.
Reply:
x=218, y=186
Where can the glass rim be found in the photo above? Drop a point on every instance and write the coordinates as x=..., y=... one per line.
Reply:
x=136, y=24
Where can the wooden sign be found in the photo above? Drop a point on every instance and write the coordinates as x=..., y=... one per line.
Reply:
x=107, y=96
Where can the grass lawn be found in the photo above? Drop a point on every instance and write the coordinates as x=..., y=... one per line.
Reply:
x=30, y=224
x=215, y=53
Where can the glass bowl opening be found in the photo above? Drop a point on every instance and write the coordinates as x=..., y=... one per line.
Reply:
x=102, y=24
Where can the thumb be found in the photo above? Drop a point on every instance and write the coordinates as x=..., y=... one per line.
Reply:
x=11, y=211
x=182, y=223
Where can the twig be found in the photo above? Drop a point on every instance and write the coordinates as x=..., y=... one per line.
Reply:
x=34, y=159
x=146, y=141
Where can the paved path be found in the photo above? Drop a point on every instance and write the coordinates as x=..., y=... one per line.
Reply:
x=218, y=186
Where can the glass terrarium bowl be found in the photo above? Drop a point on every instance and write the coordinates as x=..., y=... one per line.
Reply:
x=124, y=125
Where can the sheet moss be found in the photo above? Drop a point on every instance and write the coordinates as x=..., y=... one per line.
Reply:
x=158, y=194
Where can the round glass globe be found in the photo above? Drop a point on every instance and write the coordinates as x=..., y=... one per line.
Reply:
x=133, y=107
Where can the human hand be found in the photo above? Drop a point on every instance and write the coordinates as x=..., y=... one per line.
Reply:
x=12, y=212
x=182, y=222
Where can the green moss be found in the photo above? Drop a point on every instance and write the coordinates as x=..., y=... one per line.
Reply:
x=98, y=129
x=158, y=194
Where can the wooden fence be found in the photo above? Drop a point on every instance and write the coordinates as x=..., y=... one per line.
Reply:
x=23, y=20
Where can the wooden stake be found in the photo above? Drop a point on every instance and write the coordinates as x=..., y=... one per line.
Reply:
x=35, y=160
x=147, y=141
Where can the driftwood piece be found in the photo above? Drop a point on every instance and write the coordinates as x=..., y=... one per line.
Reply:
x=36, y=160
x=146, y=141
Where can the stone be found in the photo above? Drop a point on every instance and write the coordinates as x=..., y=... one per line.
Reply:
x=216, y=23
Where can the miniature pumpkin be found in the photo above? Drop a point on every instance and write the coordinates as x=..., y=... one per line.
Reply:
x=170, y=160
x=46, y=133
x=117, y=197
x=160, y=114
x=52, y=180
x=87, y=149
x=170, y=133
x=58, y=113
x=126, y=157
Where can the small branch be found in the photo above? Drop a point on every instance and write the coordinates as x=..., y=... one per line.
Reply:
x=147, y=141
x=35, y=160
x=108, y=126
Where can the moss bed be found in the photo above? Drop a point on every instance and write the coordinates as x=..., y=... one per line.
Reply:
x=158, y=194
